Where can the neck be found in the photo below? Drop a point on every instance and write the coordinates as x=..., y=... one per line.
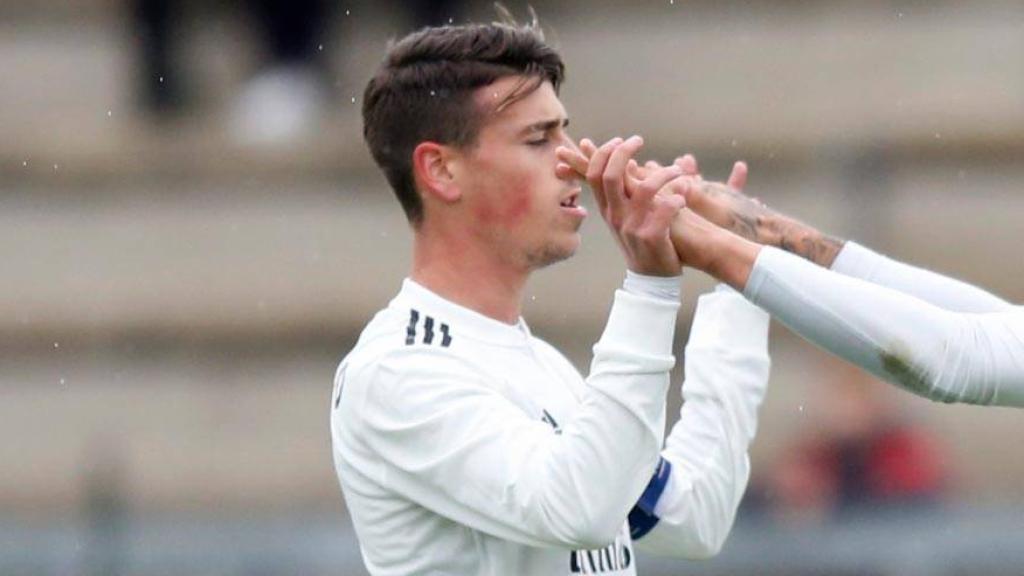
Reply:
x=467, y=273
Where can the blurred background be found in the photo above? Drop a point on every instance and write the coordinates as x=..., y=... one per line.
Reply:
x=192, y=235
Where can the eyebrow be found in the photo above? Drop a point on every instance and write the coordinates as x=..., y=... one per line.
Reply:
x=545, y=126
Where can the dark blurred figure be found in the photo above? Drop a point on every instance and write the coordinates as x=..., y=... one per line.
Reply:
x=283, y=100
x=862, y=455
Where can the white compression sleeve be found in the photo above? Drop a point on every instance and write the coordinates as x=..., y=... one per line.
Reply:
x=943, y=355
x=860, y=262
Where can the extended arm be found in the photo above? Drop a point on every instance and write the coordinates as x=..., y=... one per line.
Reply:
x=930, y=351
x=729, y=208
x=689, y=508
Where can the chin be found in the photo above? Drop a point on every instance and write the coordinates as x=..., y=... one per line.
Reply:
x=556, y=252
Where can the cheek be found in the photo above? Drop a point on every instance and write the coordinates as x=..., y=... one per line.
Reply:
x=508, y=207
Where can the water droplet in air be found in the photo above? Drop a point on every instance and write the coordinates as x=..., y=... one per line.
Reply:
x=320, y=47
x=24, y=162
x=161, y=79
x=734, y=143
x=110, y=113
x=56, y=344
x=348, y=12
x=801, y=408
x=56, y=166
x=353, y=99
x=451, y=20
x=62, y=381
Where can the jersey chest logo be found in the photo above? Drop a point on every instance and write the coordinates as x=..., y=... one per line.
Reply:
x=547, y=417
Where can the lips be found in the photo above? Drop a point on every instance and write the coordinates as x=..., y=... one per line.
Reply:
x=570, y=204
x=572, y=200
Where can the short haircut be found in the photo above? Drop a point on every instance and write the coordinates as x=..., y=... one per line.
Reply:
x=423, y=91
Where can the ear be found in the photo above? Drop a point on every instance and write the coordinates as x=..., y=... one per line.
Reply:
x=432, y=164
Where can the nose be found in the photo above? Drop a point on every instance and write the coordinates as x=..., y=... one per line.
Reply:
x=568, y=142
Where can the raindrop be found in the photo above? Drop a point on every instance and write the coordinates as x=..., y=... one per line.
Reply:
x=24, y=162
x=938, y=136
x=734, y=143
x=320, y=47
x=56, y=166
x=110, y=113
x=353, y=99
x=161, y=79
x=56, y=344
x=62, y=382
x=801, y=408
x=451, y=20
x=348, y=12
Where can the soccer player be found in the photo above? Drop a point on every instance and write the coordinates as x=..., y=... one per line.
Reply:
x=932, y=335
x=463, y=443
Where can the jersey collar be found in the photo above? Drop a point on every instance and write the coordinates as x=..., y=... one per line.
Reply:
x=462, y=321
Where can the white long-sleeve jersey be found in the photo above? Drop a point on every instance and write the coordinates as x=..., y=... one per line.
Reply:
x=934, y=336
x=468, y=446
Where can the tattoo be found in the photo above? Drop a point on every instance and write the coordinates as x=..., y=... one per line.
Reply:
x=755, y=221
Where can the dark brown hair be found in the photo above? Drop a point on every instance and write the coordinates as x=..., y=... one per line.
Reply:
x=423, y=91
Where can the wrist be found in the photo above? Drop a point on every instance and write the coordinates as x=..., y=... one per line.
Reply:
x=730, y=258
x=659, y=287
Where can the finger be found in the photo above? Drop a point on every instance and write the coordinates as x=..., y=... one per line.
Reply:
x=651, y=165
x=633, y=170
x=664, y=210
x=689, y=165
x=574, y=159
x=588, y=147
x=565, y=172
x=614, y=175
x=647, y=188
x=738, y=177
x=595, y=169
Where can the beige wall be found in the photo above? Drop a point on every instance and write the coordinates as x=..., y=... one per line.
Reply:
x=199, y=293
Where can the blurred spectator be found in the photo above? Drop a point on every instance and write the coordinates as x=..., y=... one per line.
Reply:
x=282, y=101
x=861, y=454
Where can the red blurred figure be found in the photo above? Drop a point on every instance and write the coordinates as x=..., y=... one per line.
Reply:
x=862, y=455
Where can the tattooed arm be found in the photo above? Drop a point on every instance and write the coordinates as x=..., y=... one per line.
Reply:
x=731, y=209
x=726, y=206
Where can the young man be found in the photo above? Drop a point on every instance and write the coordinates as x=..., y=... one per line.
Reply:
x=932, y=335
x=465, y=445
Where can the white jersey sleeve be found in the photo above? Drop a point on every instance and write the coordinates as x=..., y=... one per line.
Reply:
x=689, y=507
x=859, y=262
x=944, y=355
x=447, y=440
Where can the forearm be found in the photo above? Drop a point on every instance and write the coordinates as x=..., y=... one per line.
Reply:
x=727, y=369
x=932, y=352
x=859, y=262
x=752, y=220
x=720, y=253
